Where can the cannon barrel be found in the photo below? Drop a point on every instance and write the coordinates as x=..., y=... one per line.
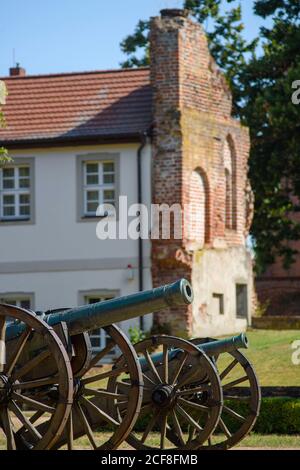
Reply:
x=101, y=314
x=216, y=347
x=211, y=348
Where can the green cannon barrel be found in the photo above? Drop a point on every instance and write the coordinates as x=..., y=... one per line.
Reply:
x=216, y=347
x=211, y=348
x=101, y=314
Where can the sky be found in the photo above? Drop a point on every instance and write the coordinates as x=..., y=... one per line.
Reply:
x=53, y=36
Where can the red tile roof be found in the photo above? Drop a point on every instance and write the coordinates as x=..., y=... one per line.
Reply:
x=80, y=106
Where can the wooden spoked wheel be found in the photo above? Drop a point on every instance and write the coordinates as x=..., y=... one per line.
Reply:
x=173, y=370
x=100, y=391
x=242, y=398
x=26, y=395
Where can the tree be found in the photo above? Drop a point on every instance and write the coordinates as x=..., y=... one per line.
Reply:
x=3, y=152
x=267, y=86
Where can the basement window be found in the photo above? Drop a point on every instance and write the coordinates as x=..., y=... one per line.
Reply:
x=98, y=337
x=242, y=301
x=218, y=304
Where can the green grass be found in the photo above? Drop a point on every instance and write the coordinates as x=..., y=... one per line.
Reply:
x=252, y=441
x=271, y=354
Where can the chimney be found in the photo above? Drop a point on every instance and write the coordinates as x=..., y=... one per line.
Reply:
x=17, y=71
x=173, y=13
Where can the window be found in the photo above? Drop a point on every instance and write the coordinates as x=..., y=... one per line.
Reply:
x=23, y=302
x=15, y=193
x=242, y=301
x=230, y=184
x=218, y=304
x=99, y=185
x=228, y=202
x=98, y=337
x=197, y=226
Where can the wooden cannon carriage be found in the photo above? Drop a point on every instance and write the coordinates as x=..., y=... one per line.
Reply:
x=52, y=393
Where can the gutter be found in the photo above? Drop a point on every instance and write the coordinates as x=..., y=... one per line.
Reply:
x=140, y=200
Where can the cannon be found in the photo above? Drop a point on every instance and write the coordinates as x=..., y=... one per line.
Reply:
x=179, y=401
x=47, y=368
x=181, y=389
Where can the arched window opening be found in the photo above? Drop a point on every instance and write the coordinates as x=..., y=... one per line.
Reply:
x=198, y=218
x=230, y=185
x=228, y=202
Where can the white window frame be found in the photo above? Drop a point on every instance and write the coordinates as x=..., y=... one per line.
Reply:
x=100, y=187
x=85, y=297
x=83, y=188
x=17, y=191
x=17, y=298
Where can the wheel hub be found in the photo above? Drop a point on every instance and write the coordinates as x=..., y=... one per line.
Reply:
x=163, y=395
x=5, y=389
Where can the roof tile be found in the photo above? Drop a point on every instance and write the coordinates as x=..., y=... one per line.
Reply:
x=88, y=104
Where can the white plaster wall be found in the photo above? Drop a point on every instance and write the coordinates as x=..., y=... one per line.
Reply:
x=218, y=271
x=64, y=289
x=57, y=235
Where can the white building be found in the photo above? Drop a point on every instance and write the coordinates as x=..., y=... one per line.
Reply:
x=50, y=256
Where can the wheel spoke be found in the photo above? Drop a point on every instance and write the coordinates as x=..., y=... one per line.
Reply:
x=110, y=345
x=104, y=393
x=70, y=432
x=34, y=403
x=100, y=412
x=191, y=404
x=235, y=382
x=180, y=366
x=2, y=342
x=202, y=388
x=8, y=429
x=192, y=432
x=165, y=364
x=32, y=420
x=224, y=428
x=36, y=383
x=152, y=366
x=104, y=375
x=148, y=378
x=228, y=369
x=145, y=409
x=31, y=364
x=178, y=428
x=188, y=418
x=17, y=351
x=150, y=426
x=163, y=431
x=25, y=421
x=86, y=425
x=232, y=413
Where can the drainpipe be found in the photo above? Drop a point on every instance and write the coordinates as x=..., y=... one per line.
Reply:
x=140, y=200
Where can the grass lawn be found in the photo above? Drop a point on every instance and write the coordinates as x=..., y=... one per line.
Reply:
x=253, y=441
x=271, y=354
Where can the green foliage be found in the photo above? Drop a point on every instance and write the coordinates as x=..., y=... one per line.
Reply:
x=136, y=335
x=261, y=309
x=266, y=90
x=4, y=158
x=277, y=416
x=136, y=46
